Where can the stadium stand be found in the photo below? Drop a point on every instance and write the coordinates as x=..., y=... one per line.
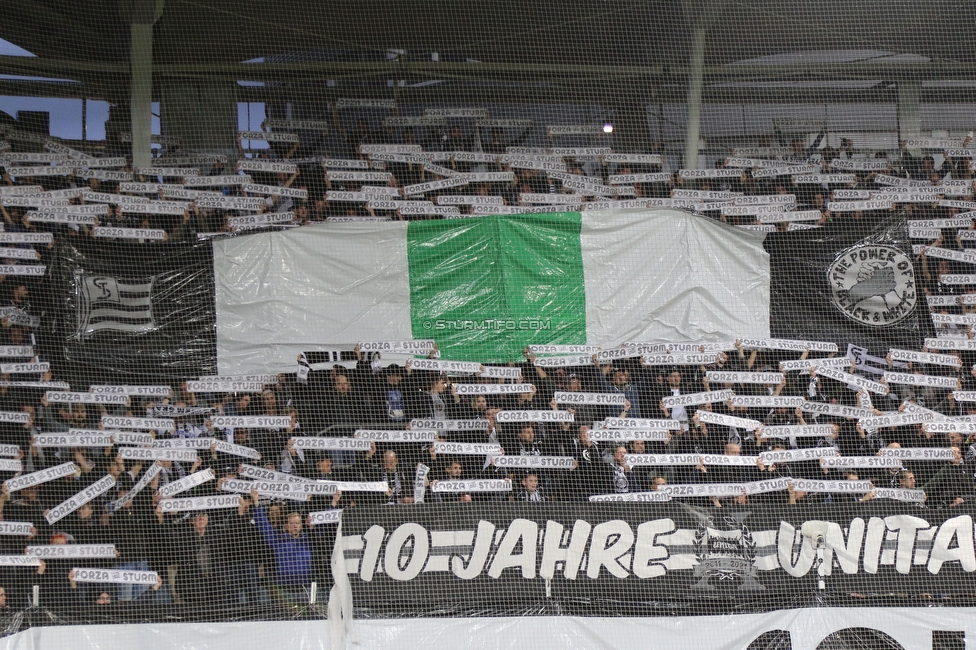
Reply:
x=120, y=471
x=713, y=418
x=444, y=478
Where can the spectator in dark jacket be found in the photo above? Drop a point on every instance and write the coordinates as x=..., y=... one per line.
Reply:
x=199, y=550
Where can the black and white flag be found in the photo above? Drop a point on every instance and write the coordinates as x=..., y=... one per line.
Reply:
x=136, y=314
x=106, y=302
x=847, y=283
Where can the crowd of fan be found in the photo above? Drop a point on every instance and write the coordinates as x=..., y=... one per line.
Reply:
x=317, y=155
x=266, y=550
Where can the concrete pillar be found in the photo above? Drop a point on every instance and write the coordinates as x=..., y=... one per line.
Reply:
x=203, y=115
x=909, y=112
x=695, y=83
x=141, y=92
x=141, y=16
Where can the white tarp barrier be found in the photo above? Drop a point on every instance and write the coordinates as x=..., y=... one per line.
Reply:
x=909, y=628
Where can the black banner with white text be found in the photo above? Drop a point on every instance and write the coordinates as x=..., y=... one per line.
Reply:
x=539, y=558
x=852, y=282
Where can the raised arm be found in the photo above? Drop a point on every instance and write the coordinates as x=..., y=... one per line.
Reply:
x=261, y=519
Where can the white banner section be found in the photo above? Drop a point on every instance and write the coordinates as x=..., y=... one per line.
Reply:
x=911, y=628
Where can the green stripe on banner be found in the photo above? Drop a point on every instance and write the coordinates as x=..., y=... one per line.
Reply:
x=486, y=287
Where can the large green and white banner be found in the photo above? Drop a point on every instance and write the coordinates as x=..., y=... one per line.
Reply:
x=483, y=288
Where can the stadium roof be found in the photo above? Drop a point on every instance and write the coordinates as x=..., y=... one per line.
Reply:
x=543, y=50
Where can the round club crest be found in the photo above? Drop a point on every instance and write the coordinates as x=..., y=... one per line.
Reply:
x=873, y=284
